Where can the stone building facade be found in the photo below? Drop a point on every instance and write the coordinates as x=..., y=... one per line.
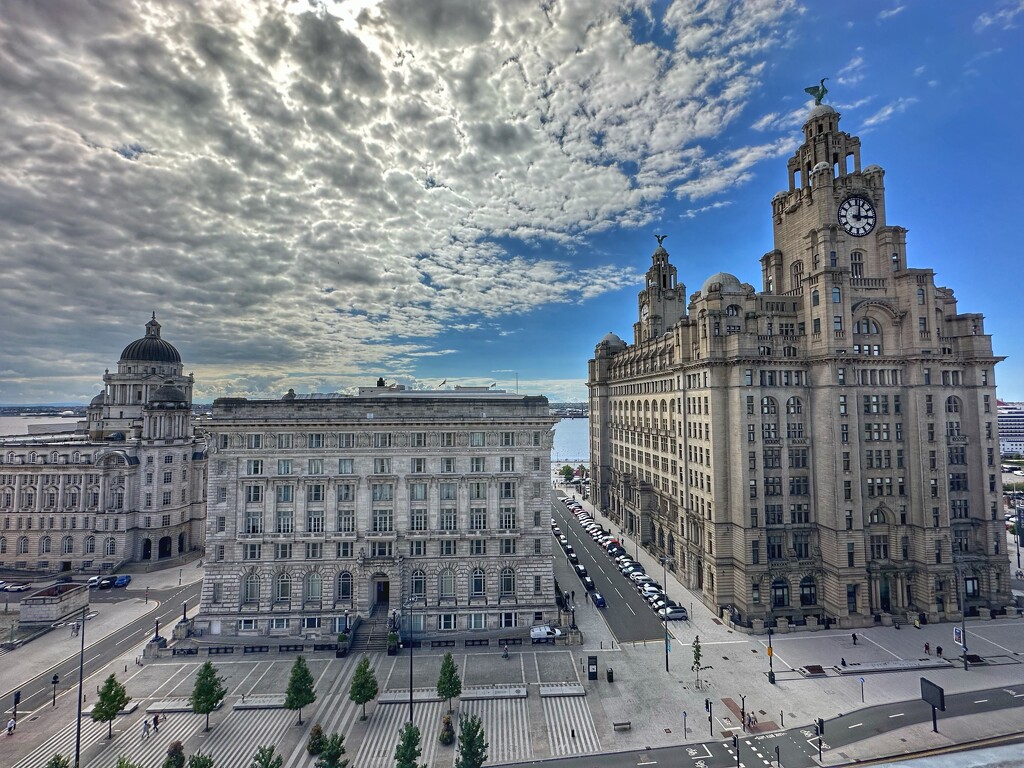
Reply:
x=824, y=449
x=328, y=507
x=130, y=486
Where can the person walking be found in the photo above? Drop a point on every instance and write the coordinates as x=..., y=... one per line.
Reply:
x=156, y=723
x=145, y=729
x=11, y=725
x=854, y=636
x=504, y=651
x=938, y=651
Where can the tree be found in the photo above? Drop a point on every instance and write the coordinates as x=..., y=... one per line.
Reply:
x=301, y=692
x=334, y=748
x=408, y=749
x=696, y=667
x=316, y=741
x=364, y=685
x=175, y=755
x=447, y=735
x=472, y=745
x=124, y=762
x=58, y=761
x=208, y=692
x=448, y=683
x=113, y=698
x=265, y=758
x=199, y=760
x=566, y=472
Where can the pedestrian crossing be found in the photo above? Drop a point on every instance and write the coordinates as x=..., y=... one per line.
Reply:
x=63, y=743
x=506, y=727
x=148, y=752
x=378, y=746
x=570, y=725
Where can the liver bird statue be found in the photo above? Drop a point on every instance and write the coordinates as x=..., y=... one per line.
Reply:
x=817, y=91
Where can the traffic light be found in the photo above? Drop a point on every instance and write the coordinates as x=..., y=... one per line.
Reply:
x=707, y=705
x=17, y=698
x=735, y=741
x=821, y=727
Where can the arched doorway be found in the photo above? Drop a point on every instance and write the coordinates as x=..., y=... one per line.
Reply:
x=380, y=591
x=165, y=547
x=181, y=542
x=147, y=549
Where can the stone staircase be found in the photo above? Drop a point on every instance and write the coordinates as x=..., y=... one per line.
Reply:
x=372, y=633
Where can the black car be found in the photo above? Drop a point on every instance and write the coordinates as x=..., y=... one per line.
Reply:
x=581, y=570
x=588, y=583
x=573, y=558
x=107, y=582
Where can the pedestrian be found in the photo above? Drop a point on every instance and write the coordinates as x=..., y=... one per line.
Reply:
x=504, y=651
x=854, y=636
x=755, y=718
x=156, y=723
x=843, y=661
x=938, y=651
x=927, y=649
x=10, y=726
x=145, y=729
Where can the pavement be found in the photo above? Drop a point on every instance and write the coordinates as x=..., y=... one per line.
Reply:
x=656, y=702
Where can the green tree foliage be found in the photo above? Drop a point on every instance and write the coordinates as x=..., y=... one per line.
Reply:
x=449, y=685
x=175, y=755
x=696, y=667
x=208, y=692
x=364, y=685
x=334, y=748
x=566, y=472
x=113, y=698
x=58, y=761
x=408, y=749
x=316, y=741
x=301, y=692
x=265, y=758
x=124, y=762
x=447, y=735
x=472, y=744
x=199, y=760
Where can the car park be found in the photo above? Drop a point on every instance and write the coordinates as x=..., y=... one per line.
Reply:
x=598, y=599
x=588, y=583
x=544, y=634
x=123, y=580
x=678, y=613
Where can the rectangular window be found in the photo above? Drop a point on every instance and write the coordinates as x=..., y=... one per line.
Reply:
x=251, y=551
x=315, y=493
x=447, y=548
x=508, y=438
x=381, y=439
x=284, y=466
x=448, y=519
x=476, y=440
x=418, y=466
x=448, y=465
x=284, y=440
x=755, y=552
x=417, y=520
x=251, y=441
x=346, y=492
x=418, y=439
x=477, y=464
x=345, y=467
x=478, y=547
x=316, y=440
x=417, y=548
x=283, y=551
x=316, y=466
x=447, y=439
x=314, y=550
x=478, y=518
x=508, y=546
x=253, y=495
x=382, y=466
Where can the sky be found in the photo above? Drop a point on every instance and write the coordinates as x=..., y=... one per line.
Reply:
x=442, y=192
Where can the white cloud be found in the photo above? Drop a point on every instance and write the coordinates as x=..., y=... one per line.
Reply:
x=1005, y=18
x=889, y=13
x=853, y=72
x=892, y=108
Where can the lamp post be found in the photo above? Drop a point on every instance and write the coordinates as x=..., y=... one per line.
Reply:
x=78, y=720
x=771, y=653
x=409, y=604
x=1018, y=532
x=664, y=619
x=958, y=568
x=55, y=681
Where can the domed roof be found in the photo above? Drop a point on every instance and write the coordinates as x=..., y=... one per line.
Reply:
x=721, y=281
x=168, y=393
x=151, y=348
x=821, y=109
x=100, y=399
x=611, y=338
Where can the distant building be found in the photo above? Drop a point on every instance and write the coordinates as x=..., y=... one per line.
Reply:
x=1011, y=428
x=824, y=449
x=328, y=507
x=131, y=488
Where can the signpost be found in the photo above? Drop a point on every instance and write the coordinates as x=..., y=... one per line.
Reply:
x=958, y=636
x=936, y=696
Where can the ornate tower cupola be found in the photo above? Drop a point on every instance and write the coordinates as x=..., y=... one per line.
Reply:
x=661, y=303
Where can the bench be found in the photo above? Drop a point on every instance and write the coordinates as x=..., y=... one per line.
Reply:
x=290, y=648
x=256, y=649
x=184, y=651
x=218, y=649
x=478, y=641
x=624, y=725
x=442, y=643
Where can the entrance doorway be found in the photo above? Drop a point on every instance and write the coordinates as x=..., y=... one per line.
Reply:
x=165, y=547
x=883, y=594
x=382, y=592
x=147, y=549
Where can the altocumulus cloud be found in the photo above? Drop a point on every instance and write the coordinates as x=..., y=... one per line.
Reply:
x=307, y=192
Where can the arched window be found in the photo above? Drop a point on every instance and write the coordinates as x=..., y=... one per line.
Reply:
x=780, y=593
x=478, y=583
x=446, y=583
x=283, y=587
x=44, y=545
x=90, y=545
x=768, y=406
x=952, y=405
x=796, y=275
x=345, y=585
x=876, y=517
x=418, y=585
x=815, y=298
x=67, y=545
x=23, y=545
x=508, y=581
x=808, y=591
x=794, y=405
x=251, y=588
x=110, y=547
x=732, y=310
x=920, y=296
x=3, y=545
x=313, y=587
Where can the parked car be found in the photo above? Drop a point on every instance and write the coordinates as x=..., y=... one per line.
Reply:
x=588, y=583
x=678, y=613
x=544, y=634
x=657, y=605
x=639, y=577
x=581, y=570
x=573, y=558
x=123, y=580
x=107, y=582
x=598, y=599
x=18, y=587
x=648, y=587
x=93, y=582
x=555, y=530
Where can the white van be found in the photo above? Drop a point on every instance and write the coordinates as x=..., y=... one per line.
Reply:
x=544, y=634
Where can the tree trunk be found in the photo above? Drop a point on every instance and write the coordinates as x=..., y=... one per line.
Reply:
x=110, y=729
x=300, y=715
x=207, y=722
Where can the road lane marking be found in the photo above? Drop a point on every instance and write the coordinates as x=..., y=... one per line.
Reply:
x=898, y=714
x=981, y=701
x=855, y=725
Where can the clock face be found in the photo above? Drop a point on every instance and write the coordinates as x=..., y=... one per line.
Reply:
x=644, y=312
x=857, y=216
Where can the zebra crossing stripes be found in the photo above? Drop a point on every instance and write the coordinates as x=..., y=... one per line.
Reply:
x=506, y=728
x=63, y=742
x=385, y=725
x=566, y=716
x=149, y=752
x=233, y=740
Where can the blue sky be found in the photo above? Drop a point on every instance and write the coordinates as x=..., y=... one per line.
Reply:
x=313, y=195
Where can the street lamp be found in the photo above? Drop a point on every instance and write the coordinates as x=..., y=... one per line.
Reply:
x=771, y=653
x=81, y=666
x=409, y=604
x=55, y=681
x=958, y=568
x=664, y=619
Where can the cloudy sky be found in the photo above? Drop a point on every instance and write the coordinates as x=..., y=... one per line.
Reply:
x=313, y=195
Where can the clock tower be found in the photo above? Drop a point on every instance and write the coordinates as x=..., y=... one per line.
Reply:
x=660, y=304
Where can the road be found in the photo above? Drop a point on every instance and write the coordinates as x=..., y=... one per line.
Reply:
x=628, y=615
x=37, y=692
